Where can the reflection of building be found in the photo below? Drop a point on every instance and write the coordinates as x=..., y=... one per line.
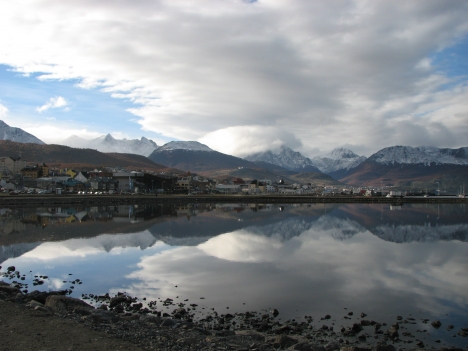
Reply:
x=9, y=225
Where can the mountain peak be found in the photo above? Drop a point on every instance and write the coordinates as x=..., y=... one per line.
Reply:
x=109, y=137
x=341, y=152
x=285, y=157
x=339, y=160
x=17, y=135
x=185, y=145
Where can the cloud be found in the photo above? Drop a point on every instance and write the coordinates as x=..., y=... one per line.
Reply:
x=329, y=73
x=245, y=140
x=3, y=111
x=54, y=102
x=57, y=132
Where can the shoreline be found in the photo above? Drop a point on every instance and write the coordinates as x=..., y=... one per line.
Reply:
x=93, y=200
x=127, y=322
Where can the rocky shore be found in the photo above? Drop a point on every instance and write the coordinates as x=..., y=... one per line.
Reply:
x=52, y=320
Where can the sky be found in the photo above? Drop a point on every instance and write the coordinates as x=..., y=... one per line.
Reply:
x=239, y=76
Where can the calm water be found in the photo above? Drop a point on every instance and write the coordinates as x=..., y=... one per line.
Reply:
x=301, y=259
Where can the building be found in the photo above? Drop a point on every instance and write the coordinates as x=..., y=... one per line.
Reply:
x=12, y=164
x=34, y=172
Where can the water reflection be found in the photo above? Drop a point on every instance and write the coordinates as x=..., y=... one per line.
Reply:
x=304, y=259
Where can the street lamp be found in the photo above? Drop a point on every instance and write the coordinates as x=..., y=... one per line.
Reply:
x=438, y=189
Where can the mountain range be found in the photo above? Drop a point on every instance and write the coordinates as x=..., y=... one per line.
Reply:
x=402, y=166
x=107, y=143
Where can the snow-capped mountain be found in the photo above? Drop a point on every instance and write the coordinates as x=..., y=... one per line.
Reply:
x=184, y=145
x=107, y=143
x=286, y=158
x=17, y=135
x=398, y=165
x=338, y=162
x=426, y=155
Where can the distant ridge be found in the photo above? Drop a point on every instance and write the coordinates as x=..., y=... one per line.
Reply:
x=73, y=157
x=17, y=135
x=408, y=166
x=107, y=143
x=194, y=156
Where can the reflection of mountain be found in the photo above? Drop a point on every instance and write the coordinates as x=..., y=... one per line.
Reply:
x=15, y=250
x=193, y=225
x=283, y=230
x=413, y=223
x=409, y=233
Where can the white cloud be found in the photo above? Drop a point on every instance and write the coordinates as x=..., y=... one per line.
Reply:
x=58, y=132
x=245, y=140
x=54, y=102
x=3, y=111
x=329, y=73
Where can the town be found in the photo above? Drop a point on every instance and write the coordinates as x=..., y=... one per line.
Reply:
x=20, y=177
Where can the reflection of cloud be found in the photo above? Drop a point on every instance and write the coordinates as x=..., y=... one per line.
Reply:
x=310, y=269
x=85, y=247
x=241, y=246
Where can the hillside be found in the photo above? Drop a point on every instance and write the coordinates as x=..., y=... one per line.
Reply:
x=416, y=177
x=197, y=160
x=317, y=178
x=64, y=156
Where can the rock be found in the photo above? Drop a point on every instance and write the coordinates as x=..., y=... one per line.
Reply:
x=42, y=309
x=450, y=327
x=11, y=269
x=399, y=318
x=354, y=348
x=179, y=312
x=303, y=346
x=436, y=324
x=363, y=315
x=137, y=306
x=365, y=323
x=117, y=300
x=274, y=312
x=463, y=333
x=167, y=322
x=255, y=336
x=393, y=332
x=383, y=348
x=10, y=290
x=331, y=346
x=34, y=304
x=187, y=341
x=284, y=341
x=65, y=304
x=284, y=329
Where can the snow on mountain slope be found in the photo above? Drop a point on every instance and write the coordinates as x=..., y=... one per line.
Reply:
x=420, y=155
x=184, y=145
x=17, y=135
x=339, y=159
x=286, y=158
x=107, y=143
